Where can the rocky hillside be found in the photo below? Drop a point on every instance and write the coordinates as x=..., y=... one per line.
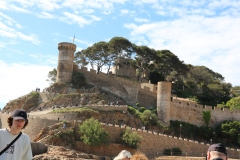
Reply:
x=27, y=102
x=63, y=153
x=61, y=95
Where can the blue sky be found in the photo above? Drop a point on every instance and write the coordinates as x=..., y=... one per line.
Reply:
x=199, y=32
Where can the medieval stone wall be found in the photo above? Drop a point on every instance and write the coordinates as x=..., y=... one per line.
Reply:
x=127, y=89
x=191, y=112
x=149, y=86
x=178, y=108
x=153, y=144
x=124, y=70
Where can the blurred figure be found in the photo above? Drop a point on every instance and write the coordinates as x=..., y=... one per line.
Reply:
x=139, y=156
x=123, y=155
x=217, y=152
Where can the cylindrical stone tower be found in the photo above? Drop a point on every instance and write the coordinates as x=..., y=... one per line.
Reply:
x=163, y=101
x=65, y=61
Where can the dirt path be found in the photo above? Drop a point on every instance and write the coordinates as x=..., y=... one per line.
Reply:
x=40, y=112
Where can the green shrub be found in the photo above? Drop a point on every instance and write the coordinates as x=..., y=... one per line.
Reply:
x=78, y=79
x=176, y=151
x=65, y=136
x=92, y=134
x=206, y=117
x=34, y=94
x=173, y=152
x=142, y=109
x=167, y=152
x=154, y=111
x=132, y=139
x=131, y=110
x=148, y=118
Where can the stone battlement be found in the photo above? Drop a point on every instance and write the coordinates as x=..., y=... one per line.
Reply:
x=66, y=46
x=152, y=144
x=127, y=89
x=146, y=94
x=191, y=112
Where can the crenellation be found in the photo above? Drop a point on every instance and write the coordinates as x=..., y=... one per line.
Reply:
x=174, y=100
x=209, y=108
x=146, y=88
x=192, y=105
x=217, y=109
x=66, y=46
x=169, y=107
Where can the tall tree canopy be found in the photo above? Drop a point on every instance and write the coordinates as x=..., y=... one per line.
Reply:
x=197, y=82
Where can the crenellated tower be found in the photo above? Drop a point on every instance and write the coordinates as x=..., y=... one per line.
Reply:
x=65, y=61
x=164, y=101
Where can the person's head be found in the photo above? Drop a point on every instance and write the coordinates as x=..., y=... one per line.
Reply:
x=123, y=155
x=139, y=156
x=217, y=152
x=19, y=116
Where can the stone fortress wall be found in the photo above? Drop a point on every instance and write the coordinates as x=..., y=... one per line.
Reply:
x=127, y=89
x=191, y=112
x=151, y=96
x=153, y=143
x=146, y=94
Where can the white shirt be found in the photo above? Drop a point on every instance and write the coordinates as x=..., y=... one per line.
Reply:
x=20, y=149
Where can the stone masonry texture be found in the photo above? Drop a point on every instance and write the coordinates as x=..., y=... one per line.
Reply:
x=65, y=61
x=153, y=144
x=163, y=101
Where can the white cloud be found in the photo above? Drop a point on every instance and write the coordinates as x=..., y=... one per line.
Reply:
x=83, y=42
x=46, y=15
x=73, y=4
x=213, y=42
x=87, y=11
x=141, y=20
x=13, y=7
x=7, y=31
x=3, y=5
x=9, y=21
x=19, y=26
x=23, y=5
x=73, y=18
x=32, y=38
x=48, y=5
x=125, y=11
x=95, y=18
x=223, y=4
x=14, y=78
x=103, y=6
x=45, y=58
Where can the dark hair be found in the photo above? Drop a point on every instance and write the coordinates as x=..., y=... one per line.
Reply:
x=10, y=122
